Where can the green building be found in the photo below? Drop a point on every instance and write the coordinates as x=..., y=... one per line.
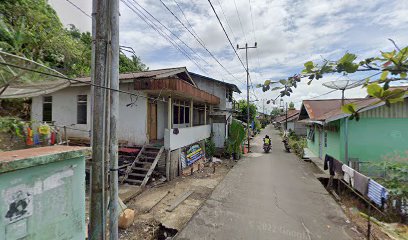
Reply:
x=380, y=134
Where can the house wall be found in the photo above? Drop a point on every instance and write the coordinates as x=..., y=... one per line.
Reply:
x=376, y=139
x=132, y=119
x=214, y=88
x=333, y=142
x=161, y=119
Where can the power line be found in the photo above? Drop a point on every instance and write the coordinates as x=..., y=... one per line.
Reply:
x=226, y=20
x=212, y=55
x=170, y=31
x=78, y=81
x=240, y=22
x=188, y=22
x=161, y=33
x=77, y=7
x=225, y=32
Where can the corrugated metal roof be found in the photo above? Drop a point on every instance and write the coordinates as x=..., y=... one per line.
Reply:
x=232, y=86
x=317, y=108
x=153, y=74
x=292, y=114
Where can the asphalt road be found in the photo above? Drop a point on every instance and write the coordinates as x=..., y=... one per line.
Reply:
x=270, y=196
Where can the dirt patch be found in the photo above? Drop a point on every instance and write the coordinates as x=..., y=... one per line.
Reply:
x=153, y=221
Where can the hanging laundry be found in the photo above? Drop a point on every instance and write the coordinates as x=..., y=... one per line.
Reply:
x=29, y=140
x=328, y=164
x=361, y=183
x=348, y=174
x=377, y=193
x=338, y=167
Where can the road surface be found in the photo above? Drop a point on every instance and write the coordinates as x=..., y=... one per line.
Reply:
x=270, y=196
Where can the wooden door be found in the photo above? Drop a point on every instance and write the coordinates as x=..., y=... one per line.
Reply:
x=152, y=121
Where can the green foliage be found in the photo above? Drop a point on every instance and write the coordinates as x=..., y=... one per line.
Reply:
x=209, y=147
x=236, y=137
x=243, y=110
x=291, y=106
x=11, y=125
x=297, y=144
x=258, y=125
x=276, y=112
x=388, y=66
x=31, y=28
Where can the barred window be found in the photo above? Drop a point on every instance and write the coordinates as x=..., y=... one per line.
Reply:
x=47, y=109
x=82, y=109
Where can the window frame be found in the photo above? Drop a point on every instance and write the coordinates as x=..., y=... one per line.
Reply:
x=47, y=103
x=82, y=103
x=325, y=138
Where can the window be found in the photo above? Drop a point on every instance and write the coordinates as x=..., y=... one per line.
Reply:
x=325, y=138
x=228, y=95
x=181, y=113
x=187, y=114
x=47, y=109
x=176, y=109
x=82, y=109
x=311, y=134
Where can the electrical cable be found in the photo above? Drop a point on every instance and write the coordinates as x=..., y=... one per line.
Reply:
x=80, y=9
x=78, y=81
x=211, y=54
x=226, y=34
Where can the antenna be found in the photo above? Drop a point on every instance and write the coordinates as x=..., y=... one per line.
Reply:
x=342, y=85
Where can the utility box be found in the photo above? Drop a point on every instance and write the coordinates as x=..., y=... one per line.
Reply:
x=42, y=193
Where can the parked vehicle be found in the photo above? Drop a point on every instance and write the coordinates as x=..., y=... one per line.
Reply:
x=286, y=144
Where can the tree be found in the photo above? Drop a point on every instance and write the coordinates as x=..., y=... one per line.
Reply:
x=388, y=67
x=291, y=106
x=243, y=109
x=31, y=28
x=276, y=112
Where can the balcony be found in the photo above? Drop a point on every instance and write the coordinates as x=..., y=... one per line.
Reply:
x=185, y=136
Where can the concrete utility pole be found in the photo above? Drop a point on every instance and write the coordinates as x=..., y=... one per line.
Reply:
x=247, y=73
x=286, y=118
x=114, y=117
x=100, y=40
x=105, y=105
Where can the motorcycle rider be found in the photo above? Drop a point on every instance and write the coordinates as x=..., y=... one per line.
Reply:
x=267, y=140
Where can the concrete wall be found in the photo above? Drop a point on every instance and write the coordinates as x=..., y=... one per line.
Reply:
x=45, y=200
x=186, y=136
x=132, y=119
x=333, y=142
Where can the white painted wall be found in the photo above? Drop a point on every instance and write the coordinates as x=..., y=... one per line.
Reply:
x=186, y=136
x=219, y=130
x=132, y=119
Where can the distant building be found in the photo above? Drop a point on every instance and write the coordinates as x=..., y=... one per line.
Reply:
x=299, y=128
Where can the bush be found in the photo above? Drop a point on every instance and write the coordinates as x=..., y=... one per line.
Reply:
x=209, y=147
x=297, y=144
x=235, y=139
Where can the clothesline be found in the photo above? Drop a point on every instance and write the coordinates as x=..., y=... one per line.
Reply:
x=360, y=184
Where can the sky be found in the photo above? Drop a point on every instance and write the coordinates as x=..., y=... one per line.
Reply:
x=288, y=33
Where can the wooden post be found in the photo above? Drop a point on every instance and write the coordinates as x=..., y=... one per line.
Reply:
x=169, y=113
x=191, y=112
x=205, y=114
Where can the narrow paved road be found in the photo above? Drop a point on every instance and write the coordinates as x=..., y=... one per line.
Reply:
x=269, y=196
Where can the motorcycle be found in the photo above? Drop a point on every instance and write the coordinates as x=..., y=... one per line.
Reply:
x=286, y=145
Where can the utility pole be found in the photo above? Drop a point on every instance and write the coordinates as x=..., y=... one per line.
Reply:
x=247, y=73
x=105, y=104
x=100, y=40
x=286, y=118
x=114, y=117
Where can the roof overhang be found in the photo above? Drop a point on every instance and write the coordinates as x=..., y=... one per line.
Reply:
x=175, y=87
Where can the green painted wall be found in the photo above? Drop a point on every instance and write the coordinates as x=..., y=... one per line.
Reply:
x=373, y=139
x=44, y=201
x=333, y=142
x=313, y=145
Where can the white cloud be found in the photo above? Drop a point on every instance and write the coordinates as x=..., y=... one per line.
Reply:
x=288, y=32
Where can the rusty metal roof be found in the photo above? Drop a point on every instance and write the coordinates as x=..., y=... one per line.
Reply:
x=327, y=110
x=230, y=85
x=292, y=114
x=180, y=72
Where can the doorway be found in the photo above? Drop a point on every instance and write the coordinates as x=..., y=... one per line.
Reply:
x=152, y=121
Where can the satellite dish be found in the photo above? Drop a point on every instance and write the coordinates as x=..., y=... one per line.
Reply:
x=21, y=77
x=343, y=84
